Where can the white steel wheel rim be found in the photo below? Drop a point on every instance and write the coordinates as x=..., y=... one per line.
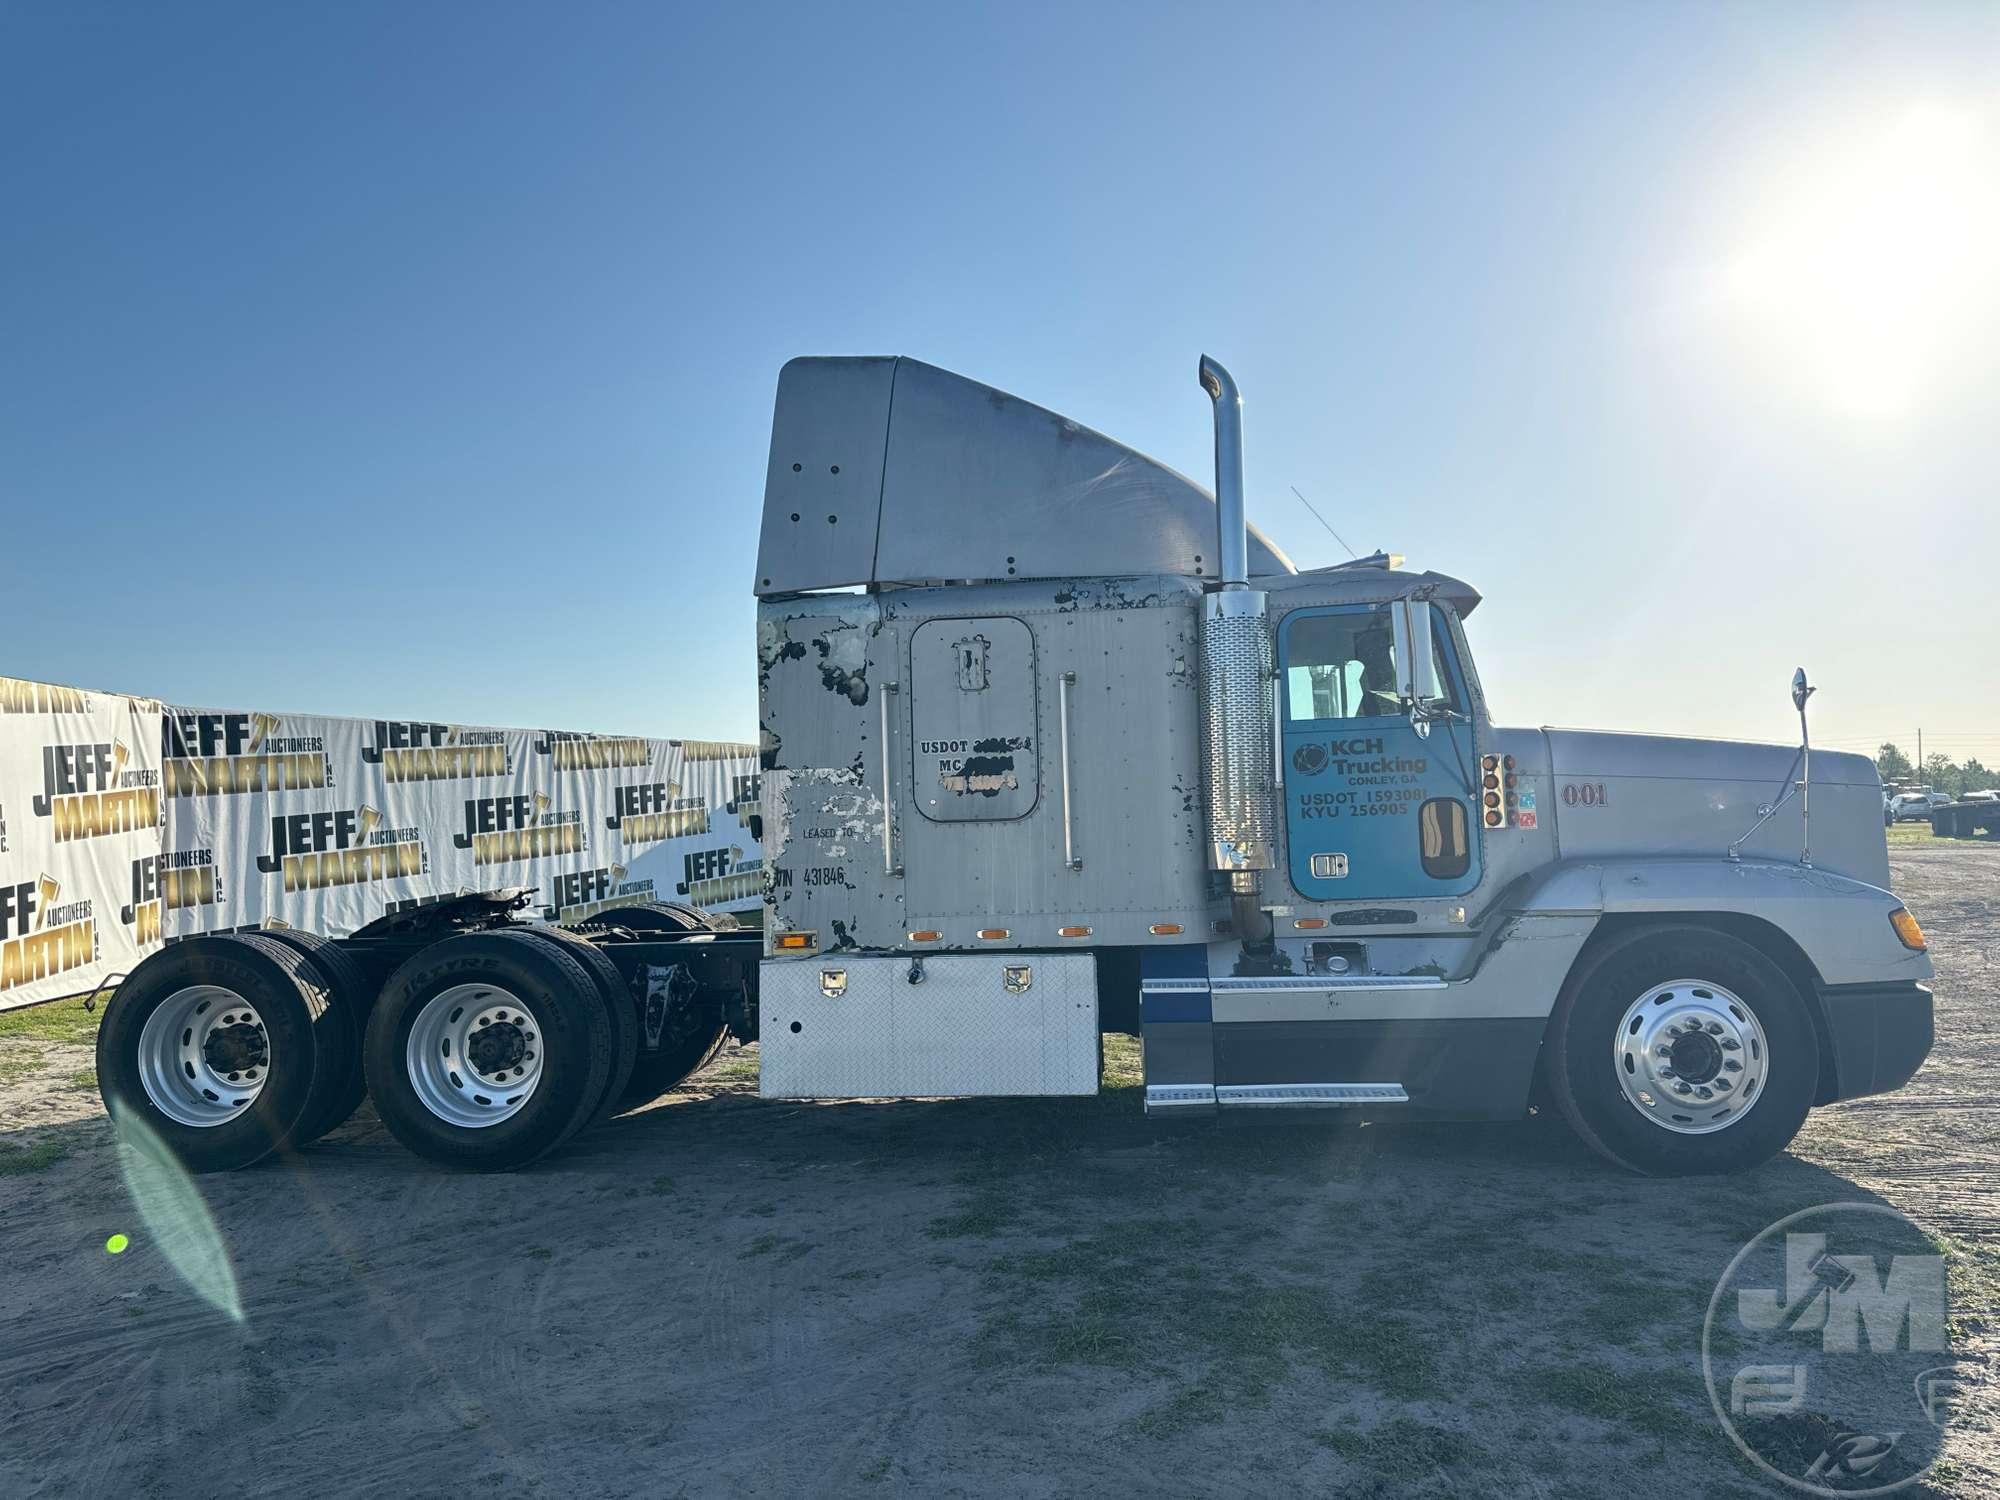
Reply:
x=475, y=1055
x=204, y=1055
x=1691, y=1056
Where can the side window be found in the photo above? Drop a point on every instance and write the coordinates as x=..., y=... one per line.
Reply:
x=1343, y=666
x=1340, y=666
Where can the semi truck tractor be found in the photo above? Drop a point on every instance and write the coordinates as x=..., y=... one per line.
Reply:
x=1054, y=743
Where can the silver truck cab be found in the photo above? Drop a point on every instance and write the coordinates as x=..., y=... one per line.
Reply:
x=1054, y=743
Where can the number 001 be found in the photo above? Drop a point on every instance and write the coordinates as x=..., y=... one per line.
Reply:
x=1588, y=794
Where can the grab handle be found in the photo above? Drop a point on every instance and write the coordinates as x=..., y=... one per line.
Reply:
x=889, y=864
x=1067, y=682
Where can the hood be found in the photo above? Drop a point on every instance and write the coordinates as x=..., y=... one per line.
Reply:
x=1620, y=794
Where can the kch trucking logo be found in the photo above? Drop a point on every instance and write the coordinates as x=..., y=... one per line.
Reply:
x=214, y=755
x=410, y=751
x=584, y=893
x=40, y=935
x=314, y=851
x=1827, y=1351
x=506, y=830
x=710, y=877
x=591, y=752
x=655, y=810
x=88, y=791
x=18, y=696
x=179, y=880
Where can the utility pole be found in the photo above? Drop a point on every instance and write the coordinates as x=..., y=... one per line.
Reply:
x=1920, y=755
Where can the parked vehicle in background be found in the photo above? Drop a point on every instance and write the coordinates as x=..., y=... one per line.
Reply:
x=1974, y=814
x=1911, y=807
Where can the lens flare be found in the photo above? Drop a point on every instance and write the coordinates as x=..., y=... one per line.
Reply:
x=174, y=1215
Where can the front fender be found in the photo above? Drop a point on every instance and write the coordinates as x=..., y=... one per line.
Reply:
x=1840, y=924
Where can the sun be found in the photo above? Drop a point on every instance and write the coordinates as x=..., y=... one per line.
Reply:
x=1868, y=268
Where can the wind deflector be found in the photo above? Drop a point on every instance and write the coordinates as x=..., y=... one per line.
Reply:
x=887, y=470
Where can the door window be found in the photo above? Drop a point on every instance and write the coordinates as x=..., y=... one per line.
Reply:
x=1343, y=666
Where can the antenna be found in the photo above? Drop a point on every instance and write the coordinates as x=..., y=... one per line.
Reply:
x=1322, y=521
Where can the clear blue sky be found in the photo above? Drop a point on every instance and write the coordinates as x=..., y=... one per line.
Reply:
x=417, y=359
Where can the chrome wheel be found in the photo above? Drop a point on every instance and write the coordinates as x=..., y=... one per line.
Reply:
x=203, y=1055
x=474, y=1055
x=1691, y=1056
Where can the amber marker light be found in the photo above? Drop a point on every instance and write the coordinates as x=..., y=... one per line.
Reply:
x=1907, y=930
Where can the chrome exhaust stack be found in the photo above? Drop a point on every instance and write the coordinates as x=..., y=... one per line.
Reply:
x=1236, y=704
x=1232, y=521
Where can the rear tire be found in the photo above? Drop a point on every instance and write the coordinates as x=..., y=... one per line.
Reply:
x=659, y=916
x=214, y=1045
x=690, y=1040
x=678, y=1060
x=340, y=1050
x=1680, y=1050
x=511, y=1054
x=617, y=998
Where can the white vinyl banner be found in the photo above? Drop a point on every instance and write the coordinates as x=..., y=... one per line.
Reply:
x=202, y=820
x=80, y=810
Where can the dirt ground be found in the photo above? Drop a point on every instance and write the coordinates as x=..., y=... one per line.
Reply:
x=721, y=1295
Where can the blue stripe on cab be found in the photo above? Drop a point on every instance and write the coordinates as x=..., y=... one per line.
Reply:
x=1175, y=1005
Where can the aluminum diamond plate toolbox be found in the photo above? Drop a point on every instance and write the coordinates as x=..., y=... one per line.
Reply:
x=837, y=1027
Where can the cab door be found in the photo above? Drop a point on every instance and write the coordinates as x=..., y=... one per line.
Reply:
x=1376, y=808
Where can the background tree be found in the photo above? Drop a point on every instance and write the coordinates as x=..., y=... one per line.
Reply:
x=1892, y=763
x=1941, y=775
x=1977, y=777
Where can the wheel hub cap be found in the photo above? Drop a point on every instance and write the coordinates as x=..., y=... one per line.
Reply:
x=1691, y=1056
x=498, y=1048
x=1695, y=1057
x=235, y=1048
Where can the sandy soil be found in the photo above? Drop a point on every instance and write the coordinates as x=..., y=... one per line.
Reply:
x=720, y=1295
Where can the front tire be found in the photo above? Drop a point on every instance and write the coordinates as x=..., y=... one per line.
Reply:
x=488, y=1050
x=1680, y=1050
